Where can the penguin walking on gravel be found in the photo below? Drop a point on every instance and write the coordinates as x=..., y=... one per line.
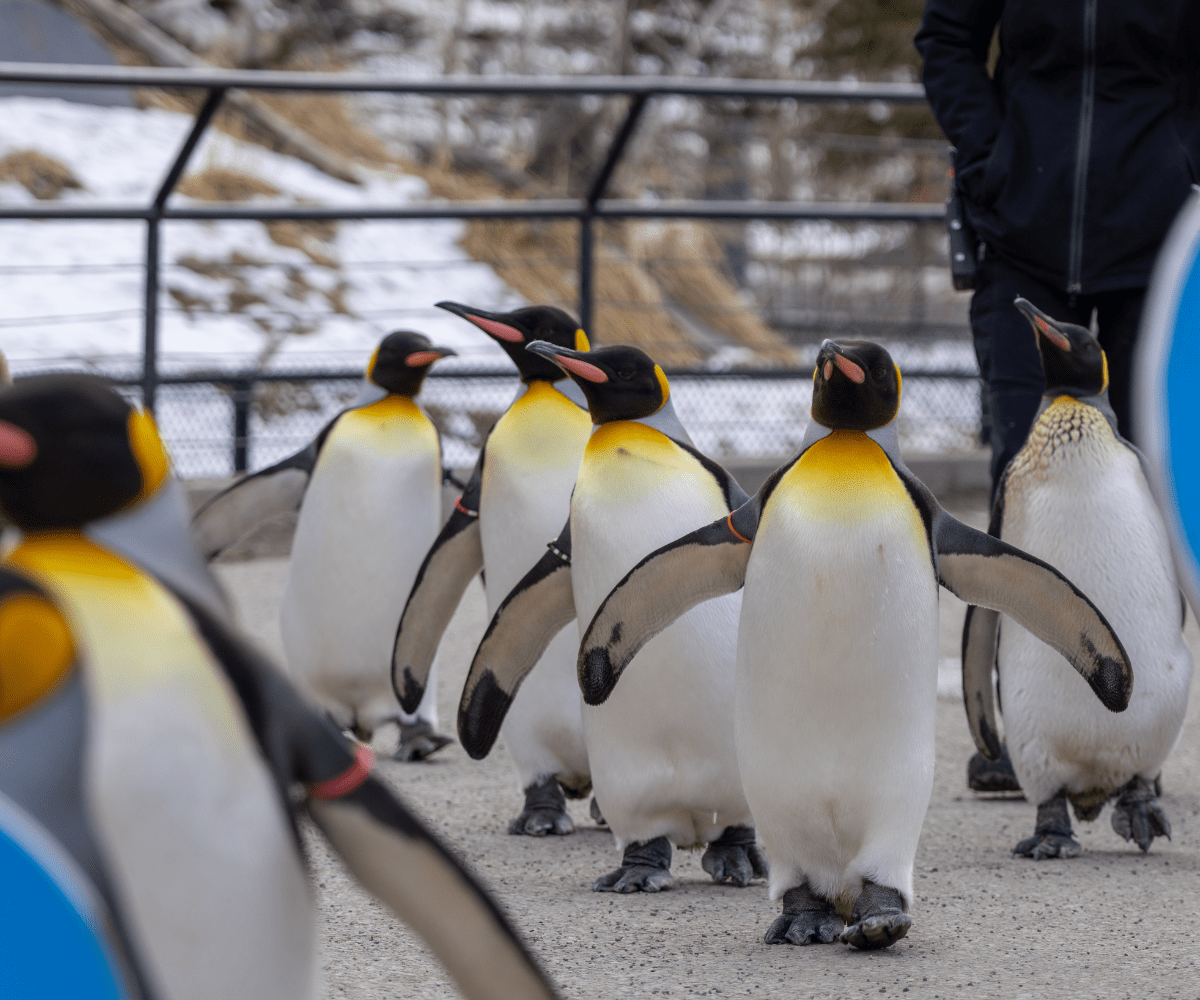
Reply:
x=840, y=554
x=518, y=496
x=662, y=754
x=164, y=755
x=368, y=489
x=1076, y=495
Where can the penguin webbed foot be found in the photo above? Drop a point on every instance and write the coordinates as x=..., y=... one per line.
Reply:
x=806, y=919
x=545, y=811
x=419, y=740
x=1137, y=817
x=1052, y=837
x=878, y=918
x=645, y=867
x=735, y=856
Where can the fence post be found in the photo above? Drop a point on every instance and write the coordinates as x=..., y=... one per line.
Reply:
x=150, y=331
x=585, y=272
x=242, y=394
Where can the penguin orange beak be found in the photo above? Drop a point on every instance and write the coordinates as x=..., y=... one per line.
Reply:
x=567, y=362
x=486, y=322
x=419, y=359
x=1043, y=326
x=17, y=447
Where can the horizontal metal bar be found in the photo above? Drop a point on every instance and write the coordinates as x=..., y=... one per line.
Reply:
x=495, y=86
x=549, y=208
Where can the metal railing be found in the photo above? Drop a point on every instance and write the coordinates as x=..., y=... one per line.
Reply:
x=586, y=211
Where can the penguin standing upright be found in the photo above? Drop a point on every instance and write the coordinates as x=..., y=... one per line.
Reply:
x=369, y=493
x=840, y=554
x=1076, y=495
x=662, y=754
x=160, y=750
x=518, y=496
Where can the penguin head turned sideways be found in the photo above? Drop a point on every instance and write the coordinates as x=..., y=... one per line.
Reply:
x=620, y=383
x=856, y=386
x=72, y=450
x=1072, y=359
x=515, y=330
x=402, y=360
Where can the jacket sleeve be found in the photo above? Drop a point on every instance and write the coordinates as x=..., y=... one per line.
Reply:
x=953, y=41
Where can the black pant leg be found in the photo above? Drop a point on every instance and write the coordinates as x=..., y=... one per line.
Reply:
x=1006, y=349
x=1118, y=316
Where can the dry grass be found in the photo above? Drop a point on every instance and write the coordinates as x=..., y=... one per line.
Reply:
x=42, y=176
x=222, y=184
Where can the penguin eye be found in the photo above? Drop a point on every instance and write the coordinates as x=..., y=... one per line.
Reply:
x=625, y=373
x=879, y=374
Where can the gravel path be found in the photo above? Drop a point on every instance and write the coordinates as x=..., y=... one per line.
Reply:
x=1110, y=923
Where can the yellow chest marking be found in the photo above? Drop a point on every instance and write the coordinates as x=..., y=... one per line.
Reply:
x=625, y=459
x=846, y=478
x=393, y=425
x=133, y=633
x=1066, y=429
x=543, y=429
x=35, y=650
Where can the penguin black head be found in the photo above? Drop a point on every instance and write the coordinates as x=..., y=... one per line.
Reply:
x=1072, y=359
x=514, y=330
x=402, y=360
x=620, y=383
x=72, y=450
x=856, y=386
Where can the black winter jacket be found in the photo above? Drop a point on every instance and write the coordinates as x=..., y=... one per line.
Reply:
x=1075, y=158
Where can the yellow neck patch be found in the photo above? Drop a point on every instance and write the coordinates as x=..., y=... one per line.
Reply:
x=35, y=650
x=371, y=364
x=149, y=452
x=581, y=341
x=664, y=385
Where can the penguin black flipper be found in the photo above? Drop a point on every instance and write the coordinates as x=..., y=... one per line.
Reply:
x=391, y=852
x=237, y=510
x=534, y=612
x=706, y=563
x=452, y=561
x=985, y=571
x=981, y=636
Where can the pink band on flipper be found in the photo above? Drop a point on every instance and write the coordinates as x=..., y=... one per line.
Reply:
x=349, y=779
x=581, y=368
x=17, y=448
x=419, y=359
x=850, y=369
x=497, y=329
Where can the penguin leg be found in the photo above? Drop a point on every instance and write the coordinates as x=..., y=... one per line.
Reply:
x=806, y=919
x=985, y=775
x=418, y=740
x=646, y=867
x=1052, y=836
x=735, y=855
x=878, y=918
x=545, y=811
x=1137, y=817
x=596, y=814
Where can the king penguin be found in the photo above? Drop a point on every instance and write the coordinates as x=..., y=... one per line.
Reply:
x=661, y=755
x=840, y=554
x=165, y=755
x=368, y=489
x=518, y=496
x=1076, y=495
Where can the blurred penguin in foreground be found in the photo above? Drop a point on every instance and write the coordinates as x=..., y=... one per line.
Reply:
x=166, y=756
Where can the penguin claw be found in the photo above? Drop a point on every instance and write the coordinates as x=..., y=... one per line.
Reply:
x=877, y=931
x=1137, y=817
x=736, y=857
x=635, y=878
x=419, y=740
x=540, y=822
x=809, y=927
x=1048, y=845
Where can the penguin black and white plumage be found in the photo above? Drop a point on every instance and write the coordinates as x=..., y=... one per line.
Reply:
x=1077, y=496
x=840, y=554
x=661, y=755
x=164, y=754
x=368, y=489
x=518, y=496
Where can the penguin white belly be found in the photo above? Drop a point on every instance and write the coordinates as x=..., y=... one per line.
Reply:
x=837, y=682
x=188, y=819
x=371, y=512
x=1087, y=510
x=532, y=460
x=661, y=747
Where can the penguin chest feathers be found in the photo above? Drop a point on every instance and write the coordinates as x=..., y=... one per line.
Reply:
x=1068, y=438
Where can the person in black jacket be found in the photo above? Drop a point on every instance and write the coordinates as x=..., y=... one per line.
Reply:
x=1072, y=160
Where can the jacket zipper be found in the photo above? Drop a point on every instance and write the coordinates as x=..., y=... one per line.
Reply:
x=1083, y=149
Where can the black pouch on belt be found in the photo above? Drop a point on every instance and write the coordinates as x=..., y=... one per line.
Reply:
x=963, y=240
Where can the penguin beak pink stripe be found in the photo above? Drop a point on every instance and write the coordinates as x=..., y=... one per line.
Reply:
x=418, y=359
x=501, y=331
x=1051, y=334
x=849, y=369
x=581, y=368
x=828, y=370
x=17, y=448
